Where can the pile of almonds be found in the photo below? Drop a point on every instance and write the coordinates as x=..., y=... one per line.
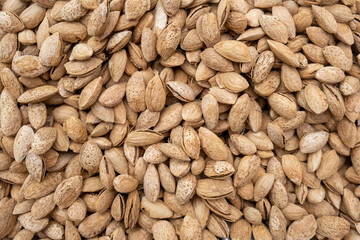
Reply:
x=180, y=119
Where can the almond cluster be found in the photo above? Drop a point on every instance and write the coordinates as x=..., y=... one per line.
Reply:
x=180, y=119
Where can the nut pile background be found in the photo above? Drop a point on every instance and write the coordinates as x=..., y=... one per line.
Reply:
x=169, y=119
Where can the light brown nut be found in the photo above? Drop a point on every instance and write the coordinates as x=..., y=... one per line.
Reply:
x=213, y=189
x=261, y=231
x=215, y=61
x=22, y=143
x=143, y=137
x=125, y=183
x=82, y=68
x=37, y=114
x=8, y=47
x=239, y=113
x=329, y=165
x=284, y=53
x=72, y=10
x=8, y=220
x=117, y=65
x=135, y=92
x=247, y=169
x=90, y=93
x=24, y=234
x=313, y=141
x=218, y=169
x=268, y=85
x=337, y=57
x=35, y=166
x=34, y=189
x=332, y=226
x=349, y=85
x=233, y=50
x=207, y=29
x=222, y=95
x=10, y=22
x=51, y=50
x=134, y=9
x=263, y=186
x=168, y=41
x=181, y=91
x=292, y=168
x=148, y=44
x=330, y=75
x=32, y=15
x=295, y=232
x=252, y=215
x=157, y=209
x=274, y=28
x=212, y=144
x=106, y=172
x=191, y=41
x=97, y=20
x=163, y=229
x=316, y=99
x=346, y=130
x=241, y=229
x=190, y=228
x=94, y=224
x=43, y=139
x=277, y=223
x=90, y=156
x=10, y=114
x=54, y=230
x=262, y=66
x=31, y=224
x=28, y=66
x=151, y=183
x=68, y=191
x=185, y=188
x=155, y=96
x=282, y=103
x=75, y=129
x=37, y=94
x=81, y=51
x=325, y=19
x=232, y=82
x=210, y=110
x=69, y=31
